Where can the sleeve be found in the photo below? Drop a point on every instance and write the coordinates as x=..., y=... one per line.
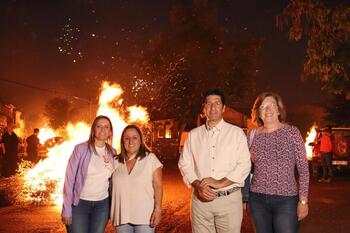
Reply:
x=186, y=165
x=69, y=181
x=243, y=164
x=302, y=164
x=155, y=162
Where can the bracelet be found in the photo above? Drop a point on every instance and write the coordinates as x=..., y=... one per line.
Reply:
x=303, y=202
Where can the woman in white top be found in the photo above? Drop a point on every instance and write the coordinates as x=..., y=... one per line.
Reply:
x=85, y=194
x=137, y=188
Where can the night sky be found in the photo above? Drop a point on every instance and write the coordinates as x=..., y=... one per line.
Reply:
x=67, y=47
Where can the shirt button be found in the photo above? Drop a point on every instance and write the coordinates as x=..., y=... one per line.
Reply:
x=213, y=157
x=213, y=146
x=212, y=170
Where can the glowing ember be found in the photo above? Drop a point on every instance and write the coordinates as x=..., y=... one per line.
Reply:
x=310, y=138
x=45, y=181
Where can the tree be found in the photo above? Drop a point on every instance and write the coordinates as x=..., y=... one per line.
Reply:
x=195, y=55
x=57, y=111
x=326, y=27
x=338, y=111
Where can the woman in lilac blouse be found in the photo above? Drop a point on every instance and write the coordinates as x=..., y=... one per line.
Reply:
x=278, y=200
x=85, y=194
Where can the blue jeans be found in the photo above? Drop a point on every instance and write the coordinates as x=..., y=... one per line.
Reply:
x=274, y=213
x=89, y=217
x=131, y=228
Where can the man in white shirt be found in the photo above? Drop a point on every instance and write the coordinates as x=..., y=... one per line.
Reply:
x=214, y=162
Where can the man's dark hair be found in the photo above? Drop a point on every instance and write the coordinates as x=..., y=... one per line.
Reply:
x=215, y=92
x=36, y=130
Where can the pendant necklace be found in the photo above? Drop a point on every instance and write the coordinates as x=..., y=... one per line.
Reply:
x=130, y=158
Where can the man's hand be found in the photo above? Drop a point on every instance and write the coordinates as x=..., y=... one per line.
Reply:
x=216, y=184
x=203, y=191
x=211, y=182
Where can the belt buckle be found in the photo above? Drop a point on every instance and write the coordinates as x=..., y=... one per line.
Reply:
x=226, y=192
x=219, y=193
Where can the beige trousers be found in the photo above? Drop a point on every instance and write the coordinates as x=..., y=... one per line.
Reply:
x=222, y=215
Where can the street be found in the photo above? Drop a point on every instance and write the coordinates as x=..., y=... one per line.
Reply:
x=329, y=210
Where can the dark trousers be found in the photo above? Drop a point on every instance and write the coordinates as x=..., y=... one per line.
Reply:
x=326, y=159
x=274, y=213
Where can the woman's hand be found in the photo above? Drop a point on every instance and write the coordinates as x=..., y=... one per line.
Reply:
x=155, y=217
x=67, y=220
x=158, y=196
x=303, y=210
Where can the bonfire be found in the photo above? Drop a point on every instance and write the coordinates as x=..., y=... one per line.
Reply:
x=43, y=183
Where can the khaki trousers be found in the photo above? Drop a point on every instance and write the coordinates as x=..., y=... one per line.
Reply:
x=222, y=215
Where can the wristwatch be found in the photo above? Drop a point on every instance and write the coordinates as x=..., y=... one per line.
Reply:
x=303, y=202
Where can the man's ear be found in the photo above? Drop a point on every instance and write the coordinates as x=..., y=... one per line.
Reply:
x=203, y=109
x=223, y=109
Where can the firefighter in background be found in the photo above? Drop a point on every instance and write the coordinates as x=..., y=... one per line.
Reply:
x=326, y=155
x=10, y=159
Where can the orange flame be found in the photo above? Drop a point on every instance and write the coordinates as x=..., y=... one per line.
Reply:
x=310, y=138
x=19, y=130
x=46, y=133
x=138, y=114
x=45, y=180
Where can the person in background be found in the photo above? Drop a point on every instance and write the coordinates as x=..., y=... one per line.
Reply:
x=277, y=200
x=86, y=187
x=215, y=162
x=137, y=188
x=326, y=155
x=9, y=143
x=33, y=144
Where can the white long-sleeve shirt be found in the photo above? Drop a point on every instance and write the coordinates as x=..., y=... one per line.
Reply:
x=217, y=152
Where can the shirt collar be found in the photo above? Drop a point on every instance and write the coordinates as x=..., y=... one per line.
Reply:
x=218, y=127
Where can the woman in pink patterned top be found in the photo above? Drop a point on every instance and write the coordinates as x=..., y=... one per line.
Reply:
x=277, y=200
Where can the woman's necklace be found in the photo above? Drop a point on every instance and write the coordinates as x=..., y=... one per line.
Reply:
x=102, y=152
x=126, y=160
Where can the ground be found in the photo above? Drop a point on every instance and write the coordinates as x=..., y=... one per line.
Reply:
x=329, y=210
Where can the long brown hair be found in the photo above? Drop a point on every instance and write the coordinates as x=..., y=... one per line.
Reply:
x=91, y=140
x=143, y=148
x=256, y=112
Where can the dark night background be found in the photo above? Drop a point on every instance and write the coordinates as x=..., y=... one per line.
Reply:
x=66, y=48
